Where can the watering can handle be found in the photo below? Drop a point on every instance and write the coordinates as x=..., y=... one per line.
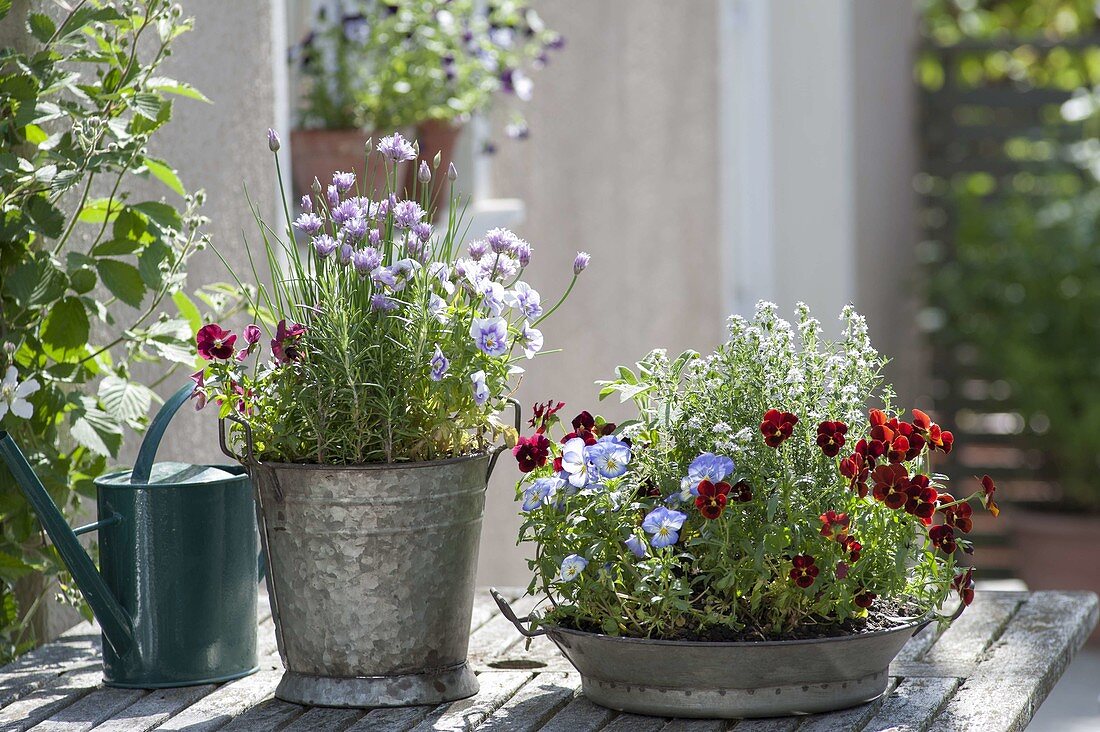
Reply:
x=147, y=453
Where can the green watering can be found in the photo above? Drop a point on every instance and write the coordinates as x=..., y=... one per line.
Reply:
x=175, y=594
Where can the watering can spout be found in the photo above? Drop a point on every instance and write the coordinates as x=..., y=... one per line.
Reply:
x=115, y=622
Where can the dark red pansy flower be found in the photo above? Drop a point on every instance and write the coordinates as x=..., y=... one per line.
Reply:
x=741, y=492
x=865, y=599
x=987, y=496
x=557, y=464
x=284, y=346
x=958, y=516
x=897, y=449
x=803, y=570
x=588, y=436
x=963, y=583
x=921, y=501
x=777, y=426
x=213, y=342
x=648, y=489
x=543, y=415
x=830, y=437
x=583, y=421
x=531, y=452
x=857, y=470
x=943, y=538
x=921, y=421
x=712, y=498
x=835, y=525
x=841, y=570
x=891, y=483
x=877, y=417
x=853, y=548
x=940, y=439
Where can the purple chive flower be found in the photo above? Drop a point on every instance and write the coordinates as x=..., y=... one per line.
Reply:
x=424, y=174
x=346, y=250
x=383, y=276
x=343, y=181
x=501, y=266
x=396, y=148
x=478, y=249
x=571, y=567
x=490, y=335
x=273, y=143
x=581, y=262
x=365, y=260
x=308, y=223
x=481, y=389
x=355, y=229
x=439, y=364
x=663, y=524
x=307, y=204
x=526, y=299
x=382, y=303
x=374, y=237
x=635, y=545
x=345, y=212
x=332, y=196
x=422, y=230
x=532, y=340
x=522, y=252
x=407, y=214
x=452, y=172
x=324, y=245
x=500, y=240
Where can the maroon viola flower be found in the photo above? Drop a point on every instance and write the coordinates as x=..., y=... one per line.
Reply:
x=921, y=500
x=865, y=599
x=803, y=570
x=583, y=421
x=777, y=427
x=531, y=452
x=891, y=483
x=215, y=343
x=957, y=516
x=853, y=548
x=557, y=464
x=285, y=346
x=856, y=470
x=830, y=437
x=835, y=525
x=988, y=489
x=841, y=570
x=712, y=498
x=963, y=583
x=938, y=438
x=943, y=538
x=741, y=492
x=544, y=415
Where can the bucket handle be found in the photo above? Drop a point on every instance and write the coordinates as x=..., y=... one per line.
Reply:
x=510, y=615
x=147, y=453
x=517, y=409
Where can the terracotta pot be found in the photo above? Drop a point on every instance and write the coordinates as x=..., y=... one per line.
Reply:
x=319, y=153
x=438, y=136
x=1058, y=551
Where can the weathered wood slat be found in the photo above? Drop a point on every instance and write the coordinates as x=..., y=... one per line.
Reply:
x=321, y=719
x=153, y=709
x=28, y=711
x=912, y=705
x=266, y=716
x=635, y=723
x=536, y=702
x=89, y=710
x=696, y=725
x=218, y=708
x=77, y=648
x=485, y=607
x=775, y=724
x=1022, y=666
x=853, y=718
x=579, y=715
x=496, y=689
x=397, y=719
x=498, y=635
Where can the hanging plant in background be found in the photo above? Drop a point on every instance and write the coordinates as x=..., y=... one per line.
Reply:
x=86, y=264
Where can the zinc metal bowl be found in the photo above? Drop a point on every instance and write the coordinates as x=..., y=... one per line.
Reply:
x=727, y=680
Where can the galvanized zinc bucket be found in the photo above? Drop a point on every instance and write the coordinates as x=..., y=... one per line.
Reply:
x=371, y=577
x=727, y=680
x=176, y=590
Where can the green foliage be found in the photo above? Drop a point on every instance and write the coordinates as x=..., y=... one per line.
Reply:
x=383, y=65
x=732, y=572
x=82, y=279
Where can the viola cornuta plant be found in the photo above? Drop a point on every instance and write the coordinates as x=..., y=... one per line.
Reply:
x=390, y=338
x=758, y=495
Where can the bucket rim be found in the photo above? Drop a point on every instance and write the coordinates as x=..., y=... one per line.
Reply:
x=913, y=625
x=413, y=465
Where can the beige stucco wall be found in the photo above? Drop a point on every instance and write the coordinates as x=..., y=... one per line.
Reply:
x=620, y=163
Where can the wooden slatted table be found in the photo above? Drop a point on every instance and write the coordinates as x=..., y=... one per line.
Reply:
x=990, y=671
